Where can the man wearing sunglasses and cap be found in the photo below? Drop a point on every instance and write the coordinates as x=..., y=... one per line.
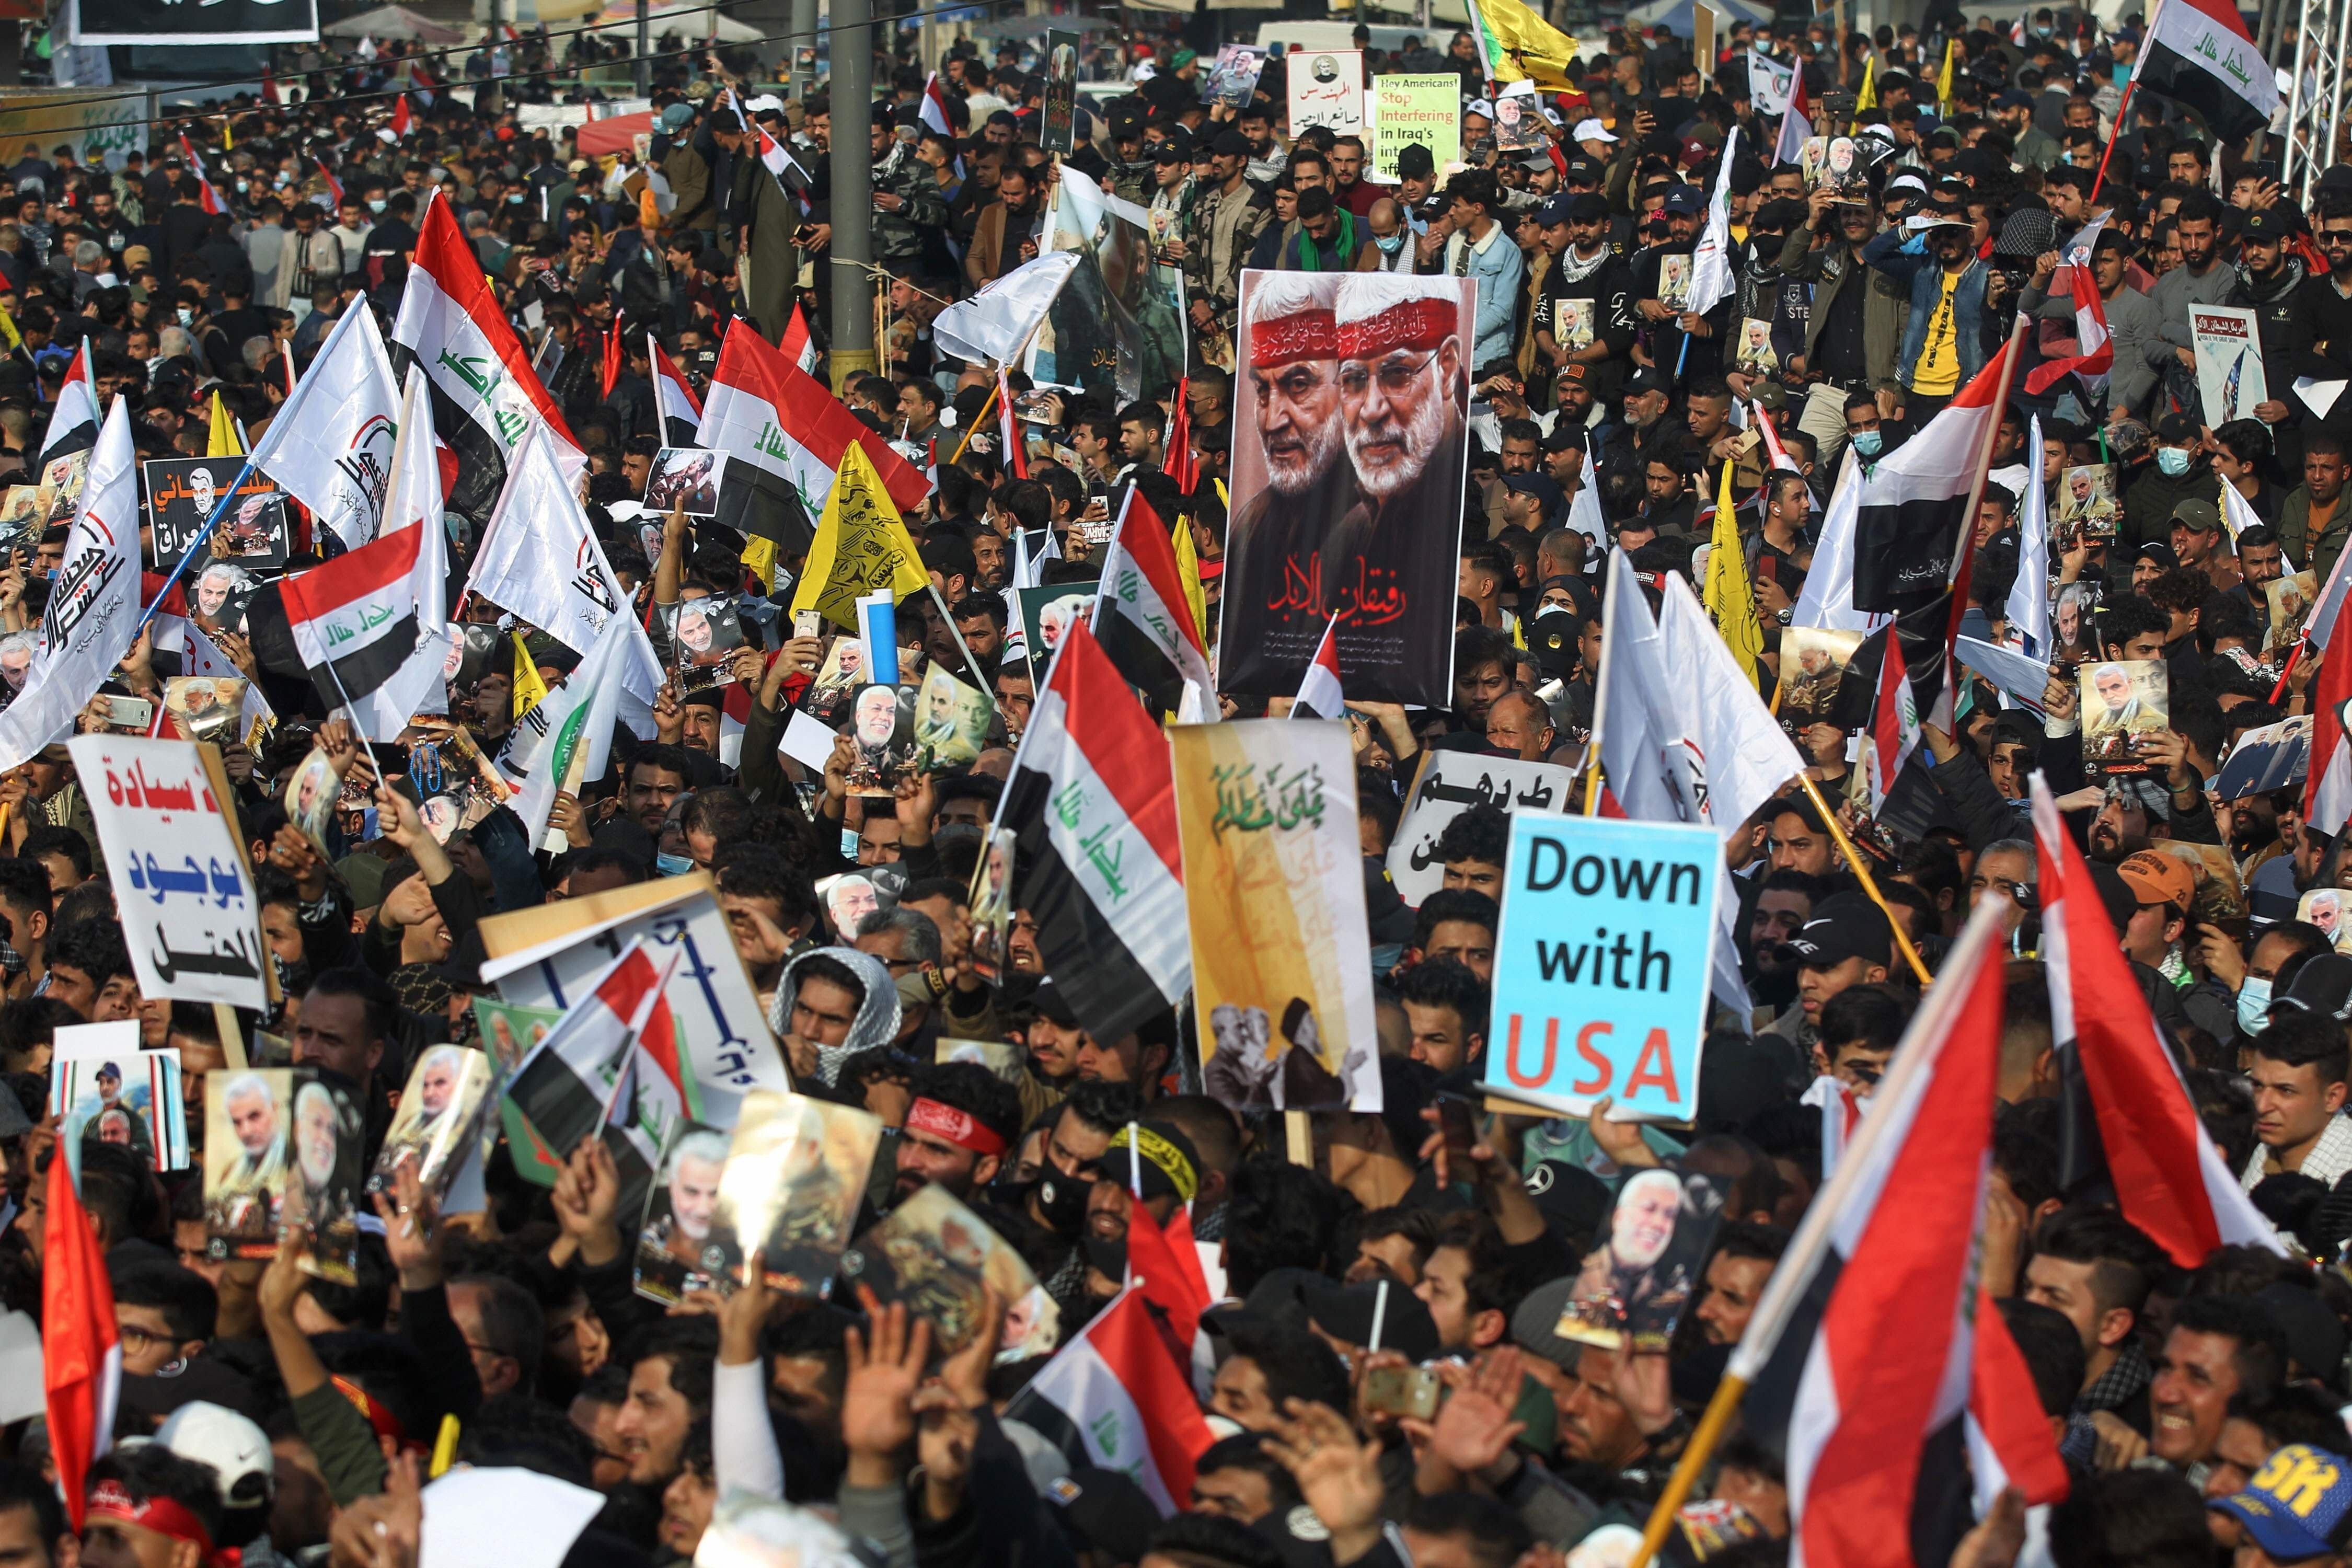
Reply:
x=1935, y=257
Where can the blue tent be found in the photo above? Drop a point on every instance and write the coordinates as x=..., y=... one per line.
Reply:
x=1676, y=15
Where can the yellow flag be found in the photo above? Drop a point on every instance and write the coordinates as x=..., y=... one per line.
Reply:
x=530, y=690
x=1729, y=595
x=9, y=336
x=861, y=547
x=759, y=555
x=225, y=439
x=228, y=139
x=1944, y=78
x=1868, y=96
x=1188, y=570
x=1518, y=45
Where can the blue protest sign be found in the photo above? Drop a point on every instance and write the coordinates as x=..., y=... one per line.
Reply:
x=1601, y=967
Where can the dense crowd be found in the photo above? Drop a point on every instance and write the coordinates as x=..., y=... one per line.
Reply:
x=267, y=1413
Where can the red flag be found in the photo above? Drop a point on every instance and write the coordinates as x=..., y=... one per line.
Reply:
x=2327, y=790
x=400, y=116
x=81, y=1356
x=611, y=354
x=1179, y=465
x=2169, y=1177
x=1166, y=1272
x=1894, y=722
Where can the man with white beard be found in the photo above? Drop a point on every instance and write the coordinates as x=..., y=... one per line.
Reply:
x=1275, y=547
x=1400, y=395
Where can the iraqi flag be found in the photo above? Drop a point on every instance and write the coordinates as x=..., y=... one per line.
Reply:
x=2327, y=792
x=334, y=186
x=1796, y=126
x=1894, y=725
x=2168, y=1178
x=209, y=197
x=1320, y=694
x=583, y=1079
x=1875, y=1363
x=681, y=411
x=73, y=423
x=81, y=1353
x=1180, y=464
x=796, y=346
x=1093, y=796
x=1115, y=1397
x=1140, y=615
x=1008, y=430
x=2199, y=53
x=784, y=435
x=485, y=396
x=2097, y=354
x=1910, y=518
x=790, y=177
x=360, y=623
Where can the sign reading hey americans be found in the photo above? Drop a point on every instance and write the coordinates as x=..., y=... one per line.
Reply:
x=1601, y=967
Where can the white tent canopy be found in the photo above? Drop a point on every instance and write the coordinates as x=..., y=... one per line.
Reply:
x=395, y=21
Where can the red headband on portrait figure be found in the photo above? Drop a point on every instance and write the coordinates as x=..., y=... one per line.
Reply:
x=1284, y=340
x=1414, y=326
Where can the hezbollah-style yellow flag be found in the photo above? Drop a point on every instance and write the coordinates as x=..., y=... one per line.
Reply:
x=9, y=335
x=225, y=439
x=760, y=557
x=1945, y=78
x=1868, y=96
x=1517, y=45
x=861, y=547
x=1188, y=572
x=1728, y=596
x=530, y=690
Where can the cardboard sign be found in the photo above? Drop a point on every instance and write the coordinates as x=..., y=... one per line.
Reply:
x=181, y=492
x=1327, y=87
x=1061, y=91
x=1448, y=784
x=1601, y=967
x=181, y=888
x=1410, y=110
x=2229, y=380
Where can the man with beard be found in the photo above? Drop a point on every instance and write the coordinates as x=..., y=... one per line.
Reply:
x=679, y=1252
x=1582, y=315
x=1685, y=214
x=1274, y=548
x=2330, y=294
x=1401, y=397
x=961, y=1121
x=2269, y=281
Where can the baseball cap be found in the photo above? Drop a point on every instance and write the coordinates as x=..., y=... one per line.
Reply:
x=1841, y=928
x=2198, y=516
x=1053, y=1006
x=677, y=117
x=2013, y=98
x=1694, y=152
x=2322, y=987
x=1584, y=170
x=1479, y=106
x=2315, y=1334
x=2160, y=554
x=1587, y=206
x=1541, y=486
x=1686, y=201
x=1590, y=131
x=2175, y=427
x=1555, y=210
x=1769, y=394
x=2294, y=1504
x=2268, y=225
x=1647, y=379
x=2157, y=878
x=1229, y=144
x=1171, y=152
x=1349, y=1313
x=236, y=1449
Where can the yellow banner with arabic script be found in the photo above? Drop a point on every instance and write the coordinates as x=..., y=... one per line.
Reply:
x=861, y=547
x=1274, y=889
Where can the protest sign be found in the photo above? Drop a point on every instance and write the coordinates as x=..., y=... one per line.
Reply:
x=1273, y=886
x=1116, y=324
x=1416, y=110
x=1061, y=90
x=2229, y=347
x=182, y=494
x=1446, y=785
x=540, y=957
x=1327, y=87
x=1601, y=967
x=182, y=889
x=1328, y=521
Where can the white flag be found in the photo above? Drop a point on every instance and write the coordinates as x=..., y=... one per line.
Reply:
x=330, y=443
x=1826, y=602
x=93, y=611
x=580, y=715
x=1711, y=281
x=2029, y=596
x=539, y=559
x=991, y=326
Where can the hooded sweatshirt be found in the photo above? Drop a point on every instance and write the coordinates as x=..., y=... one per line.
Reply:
x=877, y=1022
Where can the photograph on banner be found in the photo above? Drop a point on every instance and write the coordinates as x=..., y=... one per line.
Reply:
x=850, y=897
x=951, y=720
x=1518, y=120
x=1117, y=325
x=1274, y=892
x=882, y=731
x=473, y=653
x=1647, y=1270
x=206, y=707
x=841, y=673
x=2268, y=758
x=1447, y=784
x=105, y=1088
x=991, y=898
x=217, y=595
x=183, y=492
x=1351, y=436
x=282, y=1147
x=1058, y=123
x=1812, y=662
x=1674, y=282
x=1047, y=612
x=2221, y=895
x=796, y=1172
x=1754, y=354
x=682, y=1248
x=181, y=893
x=2074, y=619
x=937, y=1258
x=1844, y=173
x=310, y=795
x=1231, y=79
x=705, y=635
x=1327, y=87
x=1601, y=965
x=685, y=477
x=438, y=1121
x=2125, y=701
x=1006, y=1060
x=2227, y=343
x=2288, y=600
x=1416, y=110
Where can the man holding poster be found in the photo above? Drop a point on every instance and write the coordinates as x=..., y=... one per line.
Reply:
x=1600, y=966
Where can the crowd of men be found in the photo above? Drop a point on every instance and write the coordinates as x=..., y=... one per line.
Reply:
x=2198, y=1409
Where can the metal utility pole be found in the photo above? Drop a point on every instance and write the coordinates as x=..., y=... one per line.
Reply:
x=853, y=191
x=799, y=86
x=644, y=50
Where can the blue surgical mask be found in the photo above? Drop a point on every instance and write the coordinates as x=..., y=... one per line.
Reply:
x=673, y=865
x=375, y=206
x=2254, y=1003
x=2172, y=461
x=187, y=317
x=1390, y=244
x=1869, y=443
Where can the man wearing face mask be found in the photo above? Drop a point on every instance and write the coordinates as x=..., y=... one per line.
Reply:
x=2281, y=950
x=2181, y=472
x=1856, y=324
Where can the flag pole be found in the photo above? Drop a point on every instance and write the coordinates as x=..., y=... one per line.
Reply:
x=2121, y=109
x=1862, y=872
x=203, y=535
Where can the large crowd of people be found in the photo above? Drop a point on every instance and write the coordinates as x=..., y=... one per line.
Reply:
x=1386, y=1374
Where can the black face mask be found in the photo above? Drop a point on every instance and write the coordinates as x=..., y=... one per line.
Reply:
x=1062, y=1200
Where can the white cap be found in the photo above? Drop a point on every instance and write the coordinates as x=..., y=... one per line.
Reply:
x=234, y=1447
x=764, y=103
x=1590, y=131
x=1479, y=106
x=1553, y=115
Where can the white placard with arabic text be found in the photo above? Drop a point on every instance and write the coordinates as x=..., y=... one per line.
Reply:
x=1449, y=783
x=187, y=902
